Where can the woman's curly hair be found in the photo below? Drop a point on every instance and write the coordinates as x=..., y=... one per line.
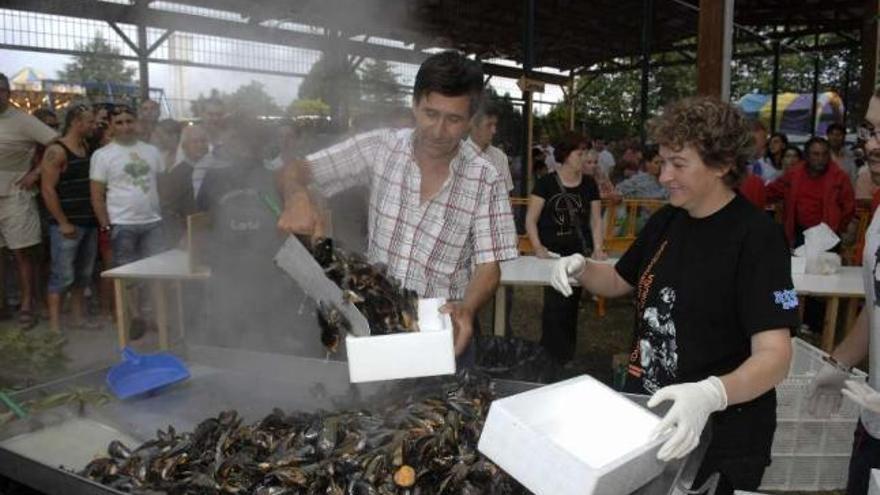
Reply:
x=718, y=131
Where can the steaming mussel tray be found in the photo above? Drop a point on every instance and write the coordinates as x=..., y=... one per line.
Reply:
x=427, y=352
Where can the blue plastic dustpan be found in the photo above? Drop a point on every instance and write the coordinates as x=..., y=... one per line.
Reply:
x=141, y=373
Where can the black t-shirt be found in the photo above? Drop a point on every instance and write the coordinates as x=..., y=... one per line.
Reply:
x=703, y=288
x=555, y=226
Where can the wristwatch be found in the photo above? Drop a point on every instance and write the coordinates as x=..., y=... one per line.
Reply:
x=106, y=228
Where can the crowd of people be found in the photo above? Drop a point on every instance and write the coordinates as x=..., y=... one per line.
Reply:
x=710, y=272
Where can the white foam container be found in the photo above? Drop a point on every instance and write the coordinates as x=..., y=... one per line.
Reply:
x=874, y=487
x=428, y=352
x=576, y=437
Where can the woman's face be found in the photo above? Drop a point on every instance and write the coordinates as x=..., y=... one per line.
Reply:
x=690, y=182
x=575, y=159
x=654, y=166
x=776, y=144
x=790, y=157
x=591, y=162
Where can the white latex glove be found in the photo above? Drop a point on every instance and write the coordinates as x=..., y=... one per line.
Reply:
x=862, y=394
x=824, y=395
x=693, y=403
x=565, y=270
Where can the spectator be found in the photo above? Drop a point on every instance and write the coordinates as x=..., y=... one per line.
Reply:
x=214, y=122
x=628, y=164
x=760, y=164
x=539, y=162
x=814, y=191
x=148, y=118
x=791, y=156
x=125, y=200
x=176, y=197
x=606, y=159
x=564, y=218
x=102, y=134
x=73, y=233
x=547, y=150
x=776, y=150
x=867, y=185
x=840, y=153
x=594, y=170
x=47, y=117
x=645, y=184
x=166, y=137
x=19, y=217
x=483, y=128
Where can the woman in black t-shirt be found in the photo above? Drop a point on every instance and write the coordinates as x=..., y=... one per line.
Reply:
x=715, y=304
x=563, y=218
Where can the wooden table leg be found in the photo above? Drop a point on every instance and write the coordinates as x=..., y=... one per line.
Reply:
x=179, y=287
x=500, y=310
x=852, y=312
x=830, y=324
x=161, y=306
x=121, y=324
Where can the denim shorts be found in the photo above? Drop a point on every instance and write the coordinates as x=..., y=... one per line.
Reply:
x=72, y=259
x=134, y=242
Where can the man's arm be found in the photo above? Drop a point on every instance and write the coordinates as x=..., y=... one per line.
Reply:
x=99, y=202
x=51, y=166
x=480, y=289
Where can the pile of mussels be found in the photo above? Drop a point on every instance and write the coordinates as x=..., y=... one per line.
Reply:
x=424, y=447
x=387, y=306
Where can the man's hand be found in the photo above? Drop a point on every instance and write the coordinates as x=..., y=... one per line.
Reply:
x=29, y=181
x=300, y=216
x=67, y=229
x=564, y=270
x=462, y=324
x=825, y=391
x=692, y=404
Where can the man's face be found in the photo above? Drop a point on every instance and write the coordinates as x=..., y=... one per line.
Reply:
x=51, y=121
x=835, y=139
x=818, y=156
x=124, y=128
x=149, y=111
x=214, y=116
x=760, y=136
x=4, y=95
x=484, y=130
x=86, y=124
x=441, y=123
x=194, y=144
x=599, y=145
x=868, y=133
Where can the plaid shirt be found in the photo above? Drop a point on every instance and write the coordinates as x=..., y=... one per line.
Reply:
x=430, y=247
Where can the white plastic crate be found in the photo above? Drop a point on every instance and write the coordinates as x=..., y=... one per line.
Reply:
x=809, y=453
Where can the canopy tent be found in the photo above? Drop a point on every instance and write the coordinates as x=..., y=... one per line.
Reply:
x=794, y=111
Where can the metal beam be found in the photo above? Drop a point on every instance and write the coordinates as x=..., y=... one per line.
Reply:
x=647, y=24
x=160, y=40
x=774, y=100
x=516, y=73
x=131, y=44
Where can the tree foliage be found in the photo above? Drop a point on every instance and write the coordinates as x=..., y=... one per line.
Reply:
x=249, y=99
x=380, y=87
x=96, y=64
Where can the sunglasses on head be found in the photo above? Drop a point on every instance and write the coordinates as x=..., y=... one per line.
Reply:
x=121, y=109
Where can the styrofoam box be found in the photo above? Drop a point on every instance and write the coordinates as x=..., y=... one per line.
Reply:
x=428, y=352
x=874, y=487
x=576, y=437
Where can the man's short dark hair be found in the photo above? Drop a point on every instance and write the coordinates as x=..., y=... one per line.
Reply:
x=43, y=113
x=450, y=74
x=488, y=108
x=816, y=140
x=836, y=126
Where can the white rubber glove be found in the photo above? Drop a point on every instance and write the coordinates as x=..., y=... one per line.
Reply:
x=862, y=394
x=694, y=402
x=825, y=394
x=565, y=270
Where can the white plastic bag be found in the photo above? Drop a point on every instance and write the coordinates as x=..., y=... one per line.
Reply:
x=817, y=241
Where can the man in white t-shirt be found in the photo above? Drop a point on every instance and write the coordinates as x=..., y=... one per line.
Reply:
x=606, y=159
x=863, y=340
x=484, y=125
x=19, y=218
x=125, y=198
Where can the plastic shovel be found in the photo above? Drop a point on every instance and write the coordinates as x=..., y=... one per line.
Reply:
x=141, y=373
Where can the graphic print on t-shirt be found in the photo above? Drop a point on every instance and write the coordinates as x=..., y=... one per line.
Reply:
x=654, y=359
x=138, y=171
x=877, y=276
x=560, y=204
x=657, y=347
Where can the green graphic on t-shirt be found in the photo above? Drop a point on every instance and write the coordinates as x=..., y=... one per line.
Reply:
x=139, y=172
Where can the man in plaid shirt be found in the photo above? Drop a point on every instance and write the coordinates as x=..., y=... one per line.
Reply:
x=439, y=215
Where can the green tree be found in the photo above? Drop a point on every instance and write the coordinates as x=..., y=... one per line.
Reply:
x=379, y=85
x=95, y=64
x=308, y=107
x=253, y=100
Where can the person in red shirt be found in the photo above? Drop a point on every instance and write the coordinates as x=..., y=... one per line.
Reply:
x=752, y=188
x=813, y=191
